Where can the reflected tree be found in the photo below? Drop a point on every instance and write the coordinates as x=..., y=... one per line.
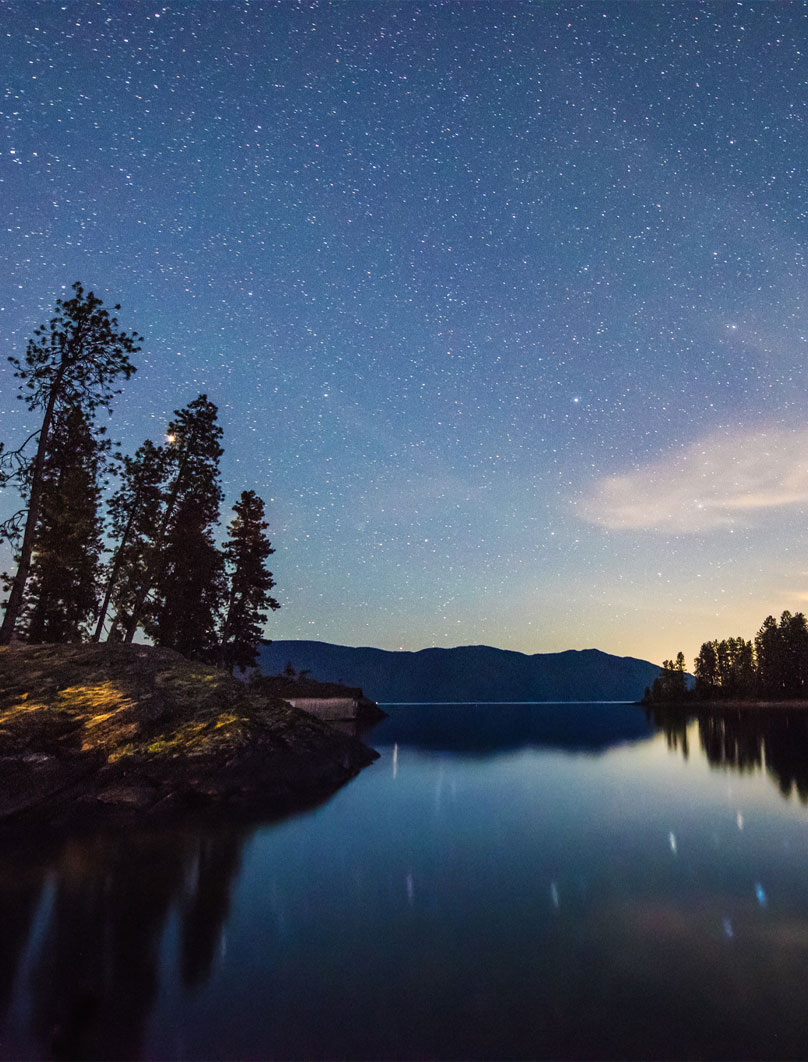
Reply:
x=206, y=907
x=732, y=740
x=744, y=741
x=96, y=973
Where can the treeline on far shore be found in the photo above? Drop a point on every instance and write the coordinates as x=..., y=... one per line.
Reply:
x=772, y=667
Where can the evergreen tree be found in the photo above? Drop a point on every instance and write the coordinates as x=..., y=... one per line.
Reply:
x=189, y=592
x=179, y=592
x=678, y=677
x=793, y=633
x=73, y=362
x=771, y=662
x=62, y=593
x=135, y=512
x=671, y=683
x=250, y=582
x=740, y=676
x=725, y=669
x=706, y=670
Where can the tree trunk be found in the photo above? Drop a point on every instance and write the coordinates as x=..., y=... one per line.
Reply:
x=226, y=630
x=15, y=598
x=116, y=565
x=153, y=569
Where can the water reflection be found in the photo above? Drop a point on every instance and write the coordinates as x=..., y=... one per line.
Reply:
x=83, y=926
x=21, y=889
x=492, y=729
x=746, y=741
x=458, y=905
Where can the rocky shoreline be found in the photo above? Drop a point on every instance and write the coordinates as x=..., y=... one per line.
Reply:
x=732, y=704
x=92, y=733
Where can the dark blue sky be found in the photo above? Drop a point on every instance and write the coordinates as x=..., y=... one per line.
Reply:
x=503, y=304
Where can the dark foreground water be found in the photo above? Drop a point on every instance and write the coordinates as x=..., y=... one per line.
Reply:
x=510, y=881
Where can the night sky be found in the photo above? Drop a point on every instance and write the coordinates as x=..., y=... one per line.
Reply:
x=503, y=304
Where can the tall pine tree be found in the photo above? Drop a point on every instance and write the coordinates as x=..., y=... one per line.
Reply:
x=73, y=362
x=63, y=584
x=250, y=581
x=135, y=511
x=185, y=612
x=179, y=593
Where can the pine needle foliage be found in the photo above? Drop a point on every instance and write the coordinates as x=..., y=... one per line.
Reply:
x=246, y=552
x=72, y=363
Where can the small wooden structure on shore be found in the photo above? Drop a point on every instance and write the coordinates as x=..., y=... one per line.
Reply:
x=329, y=701
x=329, y=708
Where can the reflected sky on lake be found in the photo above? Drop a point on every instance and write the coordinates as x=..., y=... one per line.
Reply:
x=600, y=898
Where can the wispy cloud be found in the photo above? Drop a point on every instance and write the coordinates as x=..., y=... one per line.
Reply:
x=721, y=481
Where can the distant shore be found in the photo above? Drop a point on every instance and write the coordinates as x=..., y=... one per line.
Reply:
x=735, y=704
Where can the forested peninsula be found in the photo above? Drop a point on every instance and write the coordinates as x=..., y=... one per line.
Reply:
x=114, y=550
x=771, y=671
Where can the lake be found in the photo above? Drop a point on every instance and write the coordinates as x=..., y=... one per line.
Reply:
x=506, y=881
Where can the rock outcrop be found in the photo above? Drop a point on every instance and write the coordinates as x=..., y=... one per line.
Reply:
x=93, y=731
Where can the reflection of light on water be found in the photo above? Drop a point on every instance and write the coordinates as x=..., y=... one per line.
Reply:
x=554, y=893
x=672, y=841
x=761, y=894
x=728, y=929
x=395, y=760
x=410, y=889
x=739, y=820
x=19, y=1011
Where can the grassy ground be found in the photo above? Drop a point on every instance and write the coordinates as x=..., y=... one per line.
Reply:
x=133, y=726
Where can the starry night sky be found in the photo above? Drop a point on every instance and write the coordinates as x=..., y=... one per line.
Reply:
x=503, y=304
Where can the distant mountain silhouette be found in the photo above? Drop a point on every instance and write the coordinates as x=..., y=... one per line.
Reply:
x=468, y=673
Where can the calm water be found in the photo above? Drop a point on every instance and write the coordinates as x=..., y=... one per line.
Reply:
x=510, y=881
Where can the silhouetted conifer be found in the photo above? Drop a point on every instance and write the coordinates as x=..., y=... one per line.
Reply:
x=726, y=669
x=250, y=582
x=671, y=684
x=63, y=584
x=180, y=590
x=188, y=593
x=782, y=656
x=135, y=511
x=73, y=362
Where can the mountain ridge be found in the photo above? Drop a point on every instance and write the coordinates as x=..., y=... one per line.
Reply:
x=465, y=673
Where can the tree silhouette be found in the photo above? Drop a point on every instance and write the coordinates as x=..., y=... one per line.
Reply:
x=671, y=684
x=190, y=511
x=250, y=582
x=63, y=584
x=135, y=513
x=782, y=656
x=188, y=592
x=726, y=669
x=73, y=362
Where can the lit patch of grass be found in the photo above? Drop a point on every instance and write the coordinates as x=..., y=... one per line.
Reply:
x=102, y=700
x=227, y=719
x=102, y=718
x=129, y=749
x=193, y=737
x=23, y=707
